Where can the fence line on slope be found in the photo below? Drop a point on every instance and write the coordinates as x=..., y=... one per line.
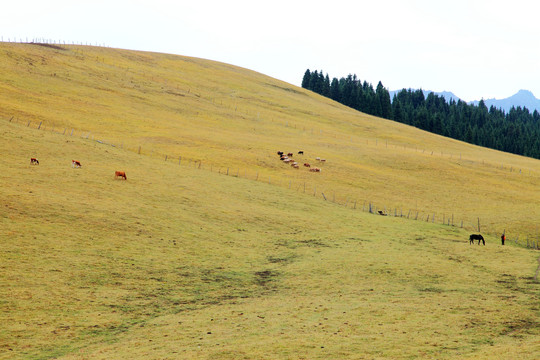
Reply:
x=351, y=202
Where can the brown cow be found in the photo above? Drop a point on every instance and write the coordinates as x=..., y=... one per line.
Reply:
x=315, y=169
x=75, y=163
x=307, y=165
x=34, y=161
x=120, y=174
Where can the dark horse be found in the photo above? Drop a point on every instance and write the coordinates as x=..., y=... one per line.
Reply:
x=476, y=237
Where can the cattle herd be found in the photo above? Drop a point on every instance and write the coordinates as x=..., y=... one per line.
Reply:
x=287, y=159
x=77, y=164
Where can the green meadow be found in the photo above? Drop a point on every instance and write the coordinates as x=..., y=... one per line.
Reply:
x=214, y=249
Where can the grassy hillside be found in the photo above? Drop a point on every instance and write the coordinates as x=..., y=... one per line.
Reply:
x=181, y=261
x=178, y=262
x=230, y=117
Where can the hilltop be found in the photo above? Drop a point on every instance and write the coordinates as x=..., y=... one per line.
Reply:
x=214, y=248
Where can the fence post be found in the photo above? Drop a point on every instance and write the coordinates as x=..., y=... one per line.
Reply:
x=179, y=160
x=39, y=127
x=324, y=196
x=165, y=157
x=139, y=150
x=479, y=225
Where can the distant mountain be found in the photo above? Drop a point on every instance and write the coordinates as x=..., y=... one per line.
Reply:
x=447, y=95
x=523, y=98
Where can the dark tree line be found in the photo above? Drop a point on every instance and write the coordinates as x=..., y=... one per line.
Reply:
x=517, y=131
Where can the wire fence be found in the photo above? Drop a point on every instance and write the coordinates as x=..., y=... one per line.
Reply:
x=46, y=41
x=297, y=185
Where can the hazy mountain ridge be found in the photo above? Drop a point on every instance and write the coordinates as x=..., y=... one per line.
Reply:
x=523, y=98
x=447, y=95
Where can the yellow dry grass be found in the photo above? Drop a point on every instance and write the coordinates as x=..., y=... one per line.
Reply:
x=228, y=117
x=180, y=261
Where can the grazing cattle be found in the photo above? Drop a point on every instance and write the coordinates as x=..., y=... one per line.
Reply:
x=381, y=213
x=75, y=163
x=294, y=163
x=315, y=169
x=318, y=158
x=300, y=152
x=323, y=160
x=290, y=154
x=307, y=165
x=295, y=166
x=287, y=160
x=476, y=237
x=34, y=161
x=280, y=153
x=120, y=174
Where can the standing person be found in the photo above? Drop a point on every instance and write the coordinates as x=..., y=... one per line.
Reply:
x=503, y=237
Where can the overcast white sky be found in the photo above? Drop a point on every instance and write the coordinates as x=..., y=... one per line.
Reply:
x=474, y=48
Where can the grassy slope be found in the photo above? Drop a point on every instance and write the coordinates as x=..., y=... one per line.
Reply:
x=179, y=262
x=231, y=117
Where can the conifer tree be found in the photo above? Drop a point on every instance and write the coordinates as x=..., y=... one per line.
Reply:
x=306, y=79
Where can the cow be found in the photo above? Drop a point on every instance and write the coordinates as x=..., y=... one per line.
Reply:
x=295, y=166
x=34, y=161
x=476, y=237
x=307, y=165
x=315, y=169
x=75, y=163
x=301, y=152
x=120, y=174
x=280, y=153
x=290, y=154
